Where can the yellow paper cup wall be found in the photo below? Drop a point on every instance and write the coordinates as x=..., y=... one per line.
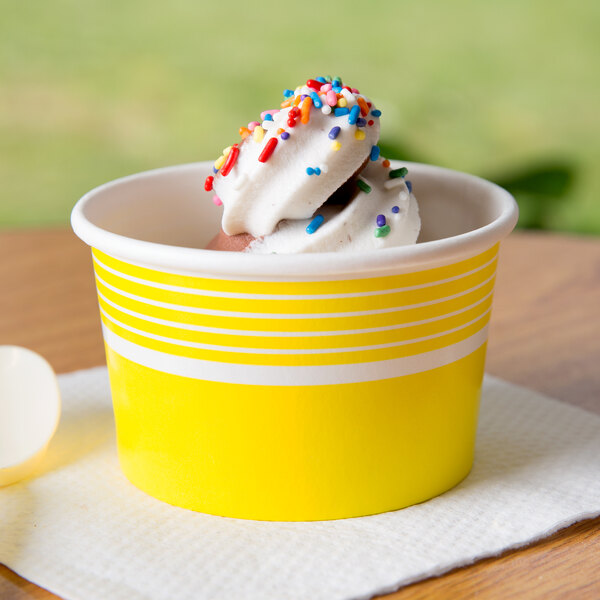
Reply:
x=298, y=387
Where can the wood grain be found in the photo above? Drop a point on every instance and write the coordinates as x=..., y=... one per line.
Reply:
x=545, y=334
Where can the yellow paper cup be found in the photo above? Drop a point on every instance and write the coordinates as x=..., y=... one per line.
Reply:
x=293, y=387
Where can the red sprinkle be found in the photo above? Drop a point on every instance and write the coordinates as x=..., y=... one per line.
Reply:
x=268, y=150
x=291, y=122
x=370, y=123
x=294, y=112
x=347, y=88
x=314, y=84
x=231, y=158
x=208, y=183
x=369, y=104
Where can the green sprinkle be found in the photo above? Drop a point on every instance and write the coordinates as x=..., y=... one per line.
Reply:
x=382, y=231
x=395, y=173
x=363, y=185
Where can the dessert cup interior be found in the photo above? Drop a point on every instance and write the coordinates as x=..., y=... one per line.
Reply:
x=169, y=207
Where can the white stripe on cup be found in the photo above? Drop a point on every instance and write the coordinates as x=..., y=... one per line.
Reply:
x=230, y=313
x=191, y=327
x=242, y=350
x=288, y=376
x=211, y=293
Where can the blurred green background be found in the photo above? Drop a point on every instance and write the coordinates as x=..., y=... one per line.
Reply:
x=93, y=90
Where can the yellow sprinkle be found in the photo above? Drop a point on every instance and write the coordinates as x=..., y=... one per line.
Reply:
x=335, y=146
x=226, y=151
x=220, y=162
x=359, y=134
x=342, y=102
x=258, y=133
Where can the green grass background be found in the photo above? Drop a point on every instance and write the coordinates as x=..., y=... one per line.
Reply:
x=93, y=90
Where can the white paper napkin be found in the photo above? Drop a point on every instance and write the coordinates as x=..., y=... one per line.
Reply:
x=83, y=531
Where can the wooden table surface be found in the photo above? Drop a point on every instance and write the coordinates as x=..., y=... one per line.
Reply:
x=545, y=334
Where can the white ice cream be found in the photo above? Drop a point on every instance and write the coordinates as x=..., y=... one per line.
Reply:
x=256, y=196
x=353, y=227
x=274, y=196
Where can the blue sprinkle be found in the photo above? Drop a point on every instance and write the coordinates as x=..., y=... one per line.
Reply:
x=321, y=79
x=315, y=224
x=215, y=170
x=375, y=154
x=395, y=209
x=288, y=93
x=354, y=112
x=380, y=220
x=337, y=89
x=316, y=100
x=310, y=171
x=337, y=82
x=408, y=185
x=376, y=113
x=317, y=171
x=360, y=122
x=340, y=112
x=285, y=135
x=334, y=132
x=268, y=117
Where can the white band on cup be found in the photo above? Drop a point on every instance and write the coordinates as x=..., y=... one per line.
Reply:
x=286, y=375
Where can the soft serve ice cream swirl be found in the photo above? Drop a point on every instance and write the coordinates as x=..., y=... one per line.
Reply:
x=275, y=184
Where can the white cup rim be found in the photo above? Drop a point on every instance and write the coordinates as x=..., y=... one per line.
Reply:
x=231, y=264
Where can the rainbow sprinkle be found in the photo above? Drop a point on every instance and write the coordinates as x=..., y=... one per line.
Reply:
x=382, y=231
x=258, y=134
x=305, y=110
x=231, y=158
x=374, y=153
x=354, y=112
x=395, y=209
x=268, y=150
x=315, y=224
x=363, y=185
x=316, y=100
x=409, y=186
x=334, y=132
x=364, y=109
x=340, y=112
x=395, y=173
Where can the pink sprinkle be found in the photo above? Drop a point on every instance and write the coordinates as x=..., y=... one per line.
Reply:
x=355, y=91
x=331, y=98
x=268, y=112
x=217, y=201
x=252, y=125
x=325, y=87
